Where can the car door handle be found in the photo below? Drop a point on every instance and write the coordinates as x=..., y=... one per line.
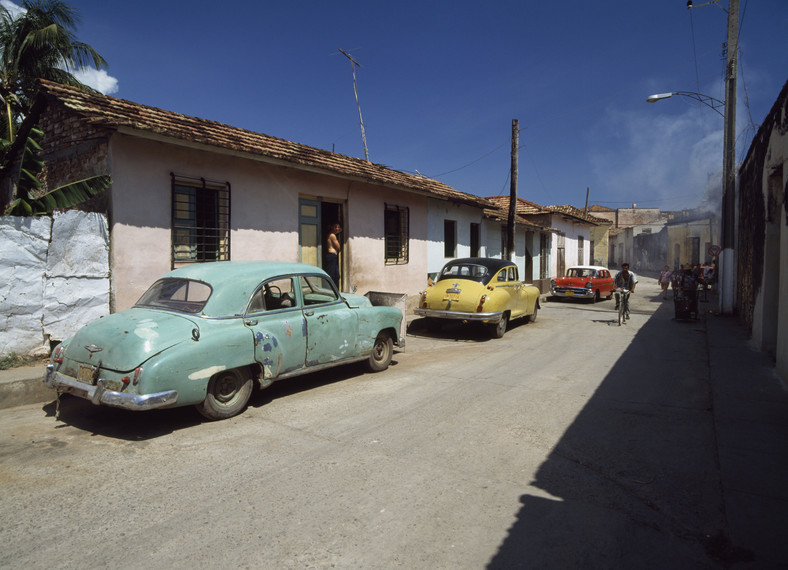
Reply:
x=250, y=322
x=309, y=313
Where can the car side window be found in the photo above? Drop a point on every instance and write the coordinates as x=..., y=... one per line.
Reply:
x=273, y=295
x=512, y=274
x=316, y=290
x=502, y=275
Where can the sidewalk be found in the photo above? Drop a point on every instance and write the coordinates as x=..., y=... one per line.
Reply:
x=24, y=385
x=751, y=422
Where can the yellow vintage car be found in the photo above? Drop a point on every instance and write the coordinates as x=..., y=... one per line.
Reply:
x=479, y=289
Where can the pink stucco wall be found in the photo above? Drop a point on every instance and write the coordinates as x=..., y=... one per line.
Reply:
x=264, y=216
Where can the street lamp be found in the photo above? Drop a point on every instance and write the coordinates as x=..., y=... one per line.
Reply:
x=728, y=217
x=725, y=271
x=710, y=102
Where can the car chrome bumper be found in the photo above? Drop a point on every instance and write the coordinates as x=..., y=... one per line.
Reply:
x=99, y=394
x=579, y=293
x=436, y=314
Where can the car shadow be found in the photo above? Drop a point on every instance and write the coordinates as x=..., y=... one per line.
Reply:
x=456, y=330
x=118, y=423
x=129, y=425
x=306, y=382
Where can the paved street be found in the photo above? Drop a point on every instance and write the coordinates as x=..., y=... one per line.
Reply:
x=571, y=442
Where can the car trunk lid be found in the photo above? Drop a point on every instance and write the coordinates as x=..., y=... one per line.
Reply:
x=122, y=341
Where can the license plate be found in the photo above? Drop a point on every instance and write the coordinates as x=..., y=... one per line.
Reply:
x=85, y=374
x=570, y=293
x=452, y=297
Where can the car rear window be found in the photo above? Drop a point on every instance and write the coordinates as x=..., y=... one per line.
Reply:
x=183, y=295
x=472, y=271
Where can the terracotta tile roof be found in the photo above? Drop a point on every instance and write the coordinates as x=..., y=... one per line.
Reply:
x=598, y=208
x=524, y=207
x=578, y=213
x=502, y=215
x=110, y=112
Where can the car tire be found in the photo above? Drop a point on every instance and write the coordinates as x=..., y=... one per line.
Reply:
x=382, y=350
x=227, y=395
x=497, y=330
x=532, y=317
x=595, y=299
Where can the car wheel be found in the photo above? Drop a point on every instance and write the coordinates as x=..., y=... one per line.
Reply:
x=595, y=298
x=498, y=329
x=532, y=318
x=228, y=394
x=382, y=350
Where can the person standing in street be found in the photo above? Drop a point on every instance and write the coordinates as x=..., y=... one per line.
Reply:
x=332, y=255
x=664, y=280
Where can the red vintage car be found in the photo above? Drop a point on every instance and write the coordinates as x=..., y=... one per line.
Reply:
x=584, y=282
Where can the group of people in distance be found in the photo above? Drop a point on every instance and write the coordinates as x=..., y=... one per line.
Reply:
x=686, y=279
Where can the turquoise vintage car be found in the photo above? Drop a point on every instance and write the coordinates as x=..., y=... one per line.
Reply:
x=202, y=334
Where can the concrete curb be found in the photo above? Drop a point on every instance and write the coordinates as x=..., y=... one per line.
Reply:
x=22, y=386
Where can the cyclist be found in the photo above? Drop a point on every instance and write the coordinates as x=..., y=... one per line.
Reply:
x=625, y=279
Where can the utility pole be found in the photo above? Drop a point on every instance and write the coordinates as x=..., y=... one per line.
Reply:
x=727, y=257
x=729, y=165
x=513, y=190
x=585, y=211
x=353, y=64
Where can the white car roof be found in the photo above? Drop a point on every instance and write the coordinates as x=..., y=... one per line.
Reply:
x=596, y=267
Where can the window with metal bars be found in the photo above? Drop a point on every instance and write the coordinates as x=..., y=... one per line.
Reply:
x=396, y=234
x=200, y=221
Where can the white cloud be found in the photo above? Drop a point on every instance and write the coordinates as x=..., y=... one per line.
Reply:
x=14, y=9
x=669, y=162
x=98, y=79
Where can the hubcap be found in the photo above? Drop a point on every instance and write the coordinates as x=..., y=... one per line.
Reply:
x=226, y=388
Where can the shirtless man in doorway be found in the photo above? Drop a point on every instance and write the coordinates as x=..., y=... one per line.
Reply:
x=332, y=257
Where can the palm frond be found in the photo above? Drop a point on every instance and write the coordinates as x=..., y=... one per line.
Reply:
x=61, y=198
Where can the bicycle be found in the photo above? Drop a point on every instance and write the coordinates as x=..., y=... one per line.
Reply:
x=623, y=305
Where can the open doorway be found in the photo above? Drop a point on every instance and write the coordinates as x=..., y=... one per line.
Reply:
x=333, y=213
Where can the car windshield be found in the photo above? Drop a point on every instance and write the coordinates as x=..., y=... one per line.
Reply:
x=579, y=272
x=472, y=271
x=183, y=295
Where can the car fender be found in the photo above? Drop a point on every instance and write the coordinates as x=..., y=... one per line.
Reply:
x=188, y=366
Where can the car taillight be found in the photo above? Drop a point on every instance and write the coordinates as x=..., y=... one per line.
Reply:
x=137, y=374
x=59, y=352
x=481, y=302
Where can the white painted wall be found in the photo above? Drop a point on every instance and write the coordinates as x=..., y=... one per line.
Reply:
x=770, y=311
x=572, y=230
x=437, y=212
x=263, y=218
x=54, y=278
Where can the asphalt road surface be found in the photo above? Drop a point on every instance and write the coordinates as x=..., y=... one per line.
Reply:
x=570, y=442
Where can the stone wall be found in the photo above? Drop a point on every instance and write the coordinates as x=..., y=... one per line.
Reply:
x=73, y=150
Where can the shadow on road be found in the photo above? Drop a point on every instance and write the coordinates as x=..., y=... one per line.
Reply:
x=139, y=426
x=634, y=482
x=458, y=331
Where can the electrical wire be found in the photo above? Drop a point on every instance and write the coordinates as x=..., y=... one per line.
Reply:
x=694, y=50
x=470, y=163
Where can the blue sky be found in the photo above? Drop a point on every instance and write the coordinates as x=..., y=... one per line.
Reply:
x=440, y=83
